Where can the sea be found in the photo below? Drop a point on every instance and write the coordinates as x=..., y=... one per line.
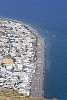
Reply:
x=49, y=18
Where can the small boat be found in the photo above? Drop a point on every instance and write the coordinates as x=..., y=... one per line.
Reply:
x=53, y=35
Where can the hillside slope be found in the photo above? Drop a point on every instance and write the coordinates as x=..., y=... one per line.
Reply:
x=12, y=95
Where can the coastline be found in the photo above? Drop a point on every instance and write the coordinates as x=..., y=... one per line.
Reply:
x=37, y=79
x=37, y=84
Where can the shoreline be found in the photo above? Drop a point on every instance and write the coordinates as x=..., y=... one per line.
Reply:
x=37, y=79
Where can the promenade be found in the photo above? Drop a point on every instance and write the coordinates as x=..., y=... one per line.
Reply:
x=37, y=79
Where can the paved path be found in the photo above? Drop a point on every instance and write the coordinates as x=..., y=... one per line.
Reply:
x=37, y=80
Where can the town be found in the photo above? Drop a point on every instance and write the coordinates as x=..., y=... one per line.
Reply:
x=18, y=56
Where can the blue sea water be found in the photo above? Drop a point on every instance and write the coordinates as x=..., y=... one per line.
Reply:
x=49, y=17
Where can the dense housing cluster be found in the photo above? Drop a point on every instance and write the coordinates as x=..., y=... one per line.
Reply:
x=18, y=59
